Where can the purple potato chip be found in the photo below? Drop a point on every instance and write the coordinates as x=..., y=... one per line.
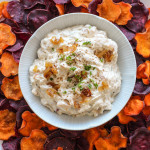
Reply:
x=63, y=142
x=117, y=1
x=28, y=4
x=16, y=11
x=129, y=34
x=19, y=115
x=10, y=23
x=133, y=43
x=17, y=55
x=17, y=104
x=140, y=17
x=61, y=1
x=53, y=135
x=12, y=144
x=140, y=140
x=148, y=121
x=82, y=143
x=18, y=45
x=71, y=134
x=70, y=8
x=46, y=130
x=140, y=88
x=139, y=59
x=36, y=18
x=131, y=1
x=93, y=6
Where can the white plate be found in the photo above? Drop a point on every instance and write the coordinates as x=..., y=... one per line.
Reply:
x=126, y=62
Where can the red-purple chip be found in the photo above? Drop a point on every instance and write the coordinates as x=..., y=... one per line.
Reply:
x=82, y=143
x=70, y=8
x=61, y=1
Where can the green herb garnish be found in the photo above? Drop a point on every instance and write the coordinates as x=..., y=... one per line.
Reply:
x=69, y=79
x=76, y=40
x=90, y=86
x=87, y=43
x=90, y=73
x=73, y=54
x=101, y=59
x=65, y=92
x=80, y=87
x=53, y=49
x=95, y=84
x=73, y=68
x=51, y=79
x=73, y=89
x=94, y=68
x=87, y=67
x=90, y=27
x=62, y=57
x=69, y=58
x=79, y=77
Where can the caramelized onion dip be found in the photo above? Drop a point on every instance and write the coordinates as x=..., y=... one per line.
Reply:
x=76, y=72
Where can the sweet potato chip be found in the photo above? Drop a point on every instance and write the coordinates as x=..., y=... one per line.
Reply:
x=60, y=8
x=147, y=69
x=84, y=10
x=78, y=3
x=106, y=8
x=124, y=119
x=1, y=8
x=9, y=65
x=147, y=25
x=103, y=132
x=146, y=81
x=140, y=71
x=91, y=135
x=114, y=141
x=134, y=106
x=126, y=15
x=11, y=88
x=146, y=110
x=4, y=11
x=143, y=44
x=7, y=124
x=35, y=141
x=49, y=126
x=7, y=38
x=147, y=99
x=30, y=122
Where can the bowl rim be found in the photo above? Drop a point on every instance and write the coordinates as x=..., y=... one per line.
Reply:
x=19, y=72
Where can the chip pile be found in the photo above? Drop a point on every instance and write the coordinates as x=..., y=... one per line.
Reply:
x=21, y=129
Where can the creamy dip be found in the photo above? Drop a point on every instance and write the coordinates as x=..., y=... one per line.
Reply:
x=76, y=72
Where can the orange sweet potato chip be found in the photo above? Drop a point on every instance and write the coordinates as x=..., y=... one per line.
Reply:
x=147, y=25
x=7, y=124
x=35, y=141
x=146, y=81
x=7, y=38
x=11, y=88
x=4, y=11
x=147, y=99
x=84, y=3
x=49, y=126
x=143, y=44
x=84, y=10
x=59, y=148
x=124, y=119
x=140, y=71
x=147, y=69
x=106, y=8
x=60, y=8
x=114, y=141
x=2, y=7
x=9, y=65
x=134, y=106
x=126, y=15
x=146, y=110
x=103, y=132
x=91, y=135
x=29, y=123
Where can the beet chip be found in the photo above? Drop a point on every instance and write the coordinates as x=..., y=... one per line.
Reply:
x=17, y=55
x=12, y=144
x=140, y=140
x=134, y=106
x=131, y=1
x=35, y=141
x=82, y=143
x=70, y=8
x=63, y=142
x=11, y=88
x=7, y=124
x=18, y=45
x=16, y=11
x=28, y=4
x=141, y=89
x=91, y=135
x=140, y=16
x=37, y=17
x=129, y=34
x=71, y=134
x=61, y=1
x=93, y=6
x=9, y=66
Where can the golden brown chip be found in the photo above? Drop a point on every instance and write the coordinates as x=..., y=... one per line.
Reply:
x=7, y=38
x=84, y=10
x=109, y=10
x=9, y=65
x=35, y=141
x=11, y=88
x=147, y=99
x=78, y=3
x=143, y=43
x=4, y=11
x=60, y=8
x=126, y=15
x=147, y=25
x=7, y=124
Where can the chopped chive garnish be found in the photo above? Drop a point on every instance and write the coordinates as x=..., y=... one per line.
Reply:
x=64, y=92
x=73, y=54
x=87, y=43
x=73, y=89
x=69, y=58
x=51, y=79
x=90, y=73
x=94, y=68
x=69, y=79
x=76, y=40
x=73, y=68
x=83, y=72
x=62, y=57
x=96, y=85
x=80, y=86
x=87, y=67
x=90, y=27
x=53, y=49
x=101, y=59
x=90, y=86
x=91, y=80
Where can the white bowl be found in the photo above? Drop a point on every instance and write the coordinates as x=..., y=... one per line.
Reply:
x=126, y=62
